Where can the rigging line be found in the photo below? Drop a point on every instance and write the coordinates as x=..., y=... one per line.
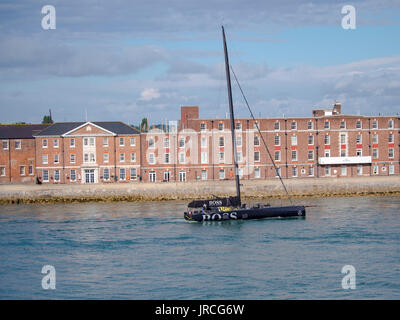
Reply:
x=262, y=138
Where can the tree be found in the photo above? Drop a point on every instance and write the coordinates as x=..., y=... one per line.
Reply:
x=144, y=126
x=47, y=119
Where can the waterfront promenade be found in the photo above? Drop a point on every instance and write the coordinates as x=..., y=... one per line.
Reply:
x=251, y=189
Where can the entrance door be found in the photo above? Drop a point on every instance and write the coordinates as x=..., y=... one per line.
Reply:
x=182, y=176
x=167, y=176
x=89, y=175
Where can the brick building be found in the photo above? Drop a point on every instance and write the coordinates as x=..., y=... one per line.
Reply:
x=17, y=153
x=88, y=152
x=326, y=144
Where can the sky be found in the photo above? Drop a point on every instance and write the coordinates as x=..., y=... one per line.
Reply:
x=125, y=60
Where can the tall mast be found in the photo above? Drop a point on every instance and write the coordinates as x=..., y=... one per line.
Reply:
x=228, y=81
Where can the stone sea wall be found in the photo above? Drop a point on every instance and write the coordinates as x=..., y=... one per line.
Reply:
x=251, y=189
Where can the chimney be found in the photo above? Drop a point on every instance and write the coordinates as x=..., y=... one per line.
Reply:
x=337, y=108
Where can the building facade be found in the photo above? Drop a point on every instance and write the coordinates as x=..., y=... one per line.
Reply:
x=327, y=144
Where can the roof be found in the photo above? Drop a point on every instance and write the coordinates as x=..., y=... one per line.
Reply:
x=21, y=131
x=61, y=128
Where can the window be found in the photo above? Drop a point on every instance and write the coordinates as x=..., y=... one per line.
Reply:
x=277, y=155
x=18, y=144
x=122, y=142
x=257, y=174
x=277, y=126
x=294, y=140
x=181, y=142
x=91, y=142
x=310, y=154
x=30, y=169
x=44, y=143
x=221, y=157
x=105, y=142
x=166, y=142
x=326, y=124
x=152, y=158
x=220, y=126
x=359, y=152
x=92, y=158
x=151, y=143
x=56, y=158
x=182, y=176
x=374, y=124
x=256, y=140
x=106, y=174
x=294, y=171
x=391, y=138
x=294, y=155
x=277, y=140
x=343, y=170
x=203, y=142
x=257, y=156
x=133, y=142
x=122, y=174
x=391, y=168
x=73, y=175
x=203, y=174
x=238, y=126
x=390, y=124
x=55, y=143
x=342, y=139
x=133, y=174
x=311, y=140
x=204, y=157
x=375, y=138
x=327, y=139
x=46, y=175
x=359, y=138
x=358, y=124
x=359, y=169
x=239, y=157
x=181, y=157
x=293, y=125
x=5, y=144
x=2, y=171
x=122, y=157
x=85, y=141
x=222, y=174
x=72, y=158
x=45, y=159
x=22, y=170
x=133, y=157
x=239, y=141
x=56, y=175
x=391, y=153
x=327, y=153
x=221, y=141
x=327, y=170
x=310, y=171
x=166, y=157
x=375, y=169
x=256, y=126
x=203, y=127
x=310, y=125
x=374, y=153
x=342, y=152
x=342, y=124
x=105, y=157
x=72, y=143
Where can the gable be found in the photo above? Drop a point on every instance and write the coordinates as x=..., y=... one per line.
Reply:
x=89, y=129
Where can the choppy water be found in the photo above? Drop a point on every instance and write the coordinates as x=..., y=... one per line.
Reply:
x=147, y=251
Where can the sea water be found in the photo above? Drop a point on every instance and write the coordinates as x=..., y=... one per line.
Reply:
x=148, y=251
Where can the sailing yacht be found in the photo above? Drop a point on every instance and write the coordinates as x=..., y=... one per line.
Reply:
x=231, y=208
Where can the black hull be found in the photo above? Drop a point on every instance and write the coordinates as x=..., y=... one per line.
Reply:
x=247, y=214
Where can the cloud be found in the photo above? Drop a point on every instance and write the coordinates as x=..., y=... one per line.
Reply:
x=149, y=94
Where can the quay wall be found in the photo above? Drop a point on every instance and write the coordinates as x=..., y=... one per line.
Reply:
x=251, y=189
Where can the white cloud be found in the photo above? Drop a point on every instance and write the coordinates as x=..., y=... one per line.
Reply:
x=149, y=94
